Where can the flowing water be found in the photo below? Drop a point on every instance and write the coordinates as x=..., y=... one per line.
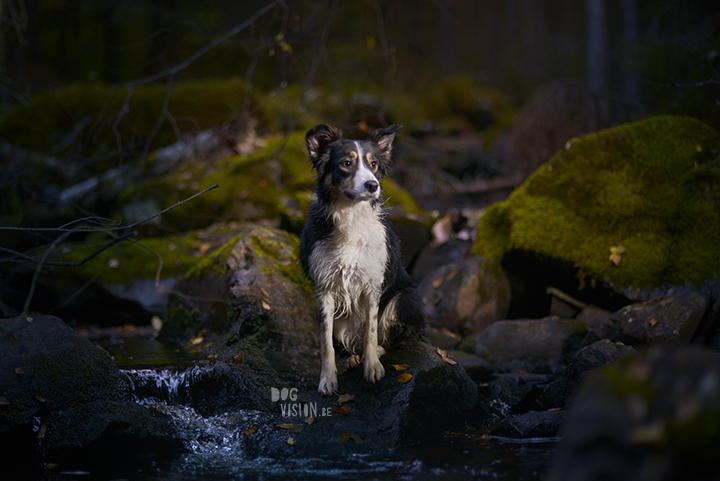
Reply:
x=162, y=378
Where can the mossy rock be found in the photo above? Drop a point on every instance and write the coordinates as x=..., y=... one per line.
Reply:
x=275, y=181
x=647, y=189
x=132, y=113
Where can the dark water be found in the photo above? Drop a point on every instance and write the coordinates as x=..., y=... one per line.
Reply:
x=215, y=443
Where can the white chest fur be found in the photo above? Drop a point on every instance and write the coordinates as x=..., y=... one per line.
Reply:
x=351, y=262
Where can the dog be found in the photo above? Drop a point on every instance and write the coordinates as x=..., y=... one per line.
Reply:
x=365, y=297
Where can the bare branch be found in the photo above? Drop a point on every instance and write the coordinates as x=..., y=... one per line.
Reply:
x=111, y=229
x=199, y=53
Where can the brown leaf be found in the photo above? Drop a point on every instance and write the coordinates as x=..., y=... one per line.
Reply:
x=344, y=437
x=444, y=356
x=250, y=430
x=39, y=397
x=196, y=340
x=291, y=441
x=293, y=428
x=237, y=359
x=310, y=420
x=341, y=408
x=404, y=377
x=266, y=306
x=400, y=367
x=19, y=371
x=345, y=398
x=653, y=322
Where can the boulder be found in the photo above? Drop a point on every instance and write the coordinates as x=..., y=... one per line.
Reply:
x=540, y=346
x=250, y=289
x=467, y=296
x=421, y=396
x=534, y=424
x=557, y=393
x=60, y=393
x=631, y=207
x=652, y=417
x=670, y=320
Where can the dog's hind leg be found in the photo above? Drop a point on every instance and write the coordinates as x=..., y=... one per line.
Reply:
x=328, y=373
x=373, y=368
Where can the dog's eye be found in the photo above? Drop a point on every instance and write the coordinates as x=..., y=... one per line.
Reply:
x=373, y=164
x=347, y=164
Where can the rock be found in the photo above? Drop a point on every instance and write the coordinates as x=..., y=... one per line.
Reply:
x=557, y=394
x=653, y=417
x=479, y=369
x=465, y=297
x=535, y=424
x=64, y=394
x=432, y=257
x=593, y=316
x=442, y=338
x=391, y=415
x=540, y=346
x=591, y=208
x=112, y=426
x=670, y=320
x=252, y=288
x=508, y=390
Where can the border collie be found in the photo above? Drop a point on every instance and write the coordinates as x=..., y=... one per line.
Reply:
x=365, y=298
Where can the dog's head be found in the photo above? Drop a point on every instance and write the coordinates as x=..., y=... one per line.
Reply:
x=350, y=169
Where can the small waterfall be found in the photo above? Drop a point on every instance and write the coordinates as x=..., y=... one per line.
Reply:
x=170, y=386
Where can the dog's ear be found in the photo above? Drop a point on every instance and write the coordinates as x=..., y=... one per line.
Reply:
x=384, y=139
x=318, y=138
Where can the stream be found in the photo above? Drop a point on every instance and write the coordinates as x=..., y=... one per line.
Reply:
x=161, y=378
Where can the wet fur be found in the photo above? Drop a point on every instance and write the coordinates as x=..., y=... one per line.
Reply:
x=365, y=298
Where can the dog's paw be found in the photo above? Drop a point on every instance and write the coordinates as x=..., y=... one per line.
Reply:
x=328, y=384
x=354, y=360
x=374, y=371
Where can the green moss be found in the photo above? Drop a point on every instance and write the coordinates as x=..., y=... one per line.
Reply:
x=132, y=259
x=647, y=186
x=216, y=261
x=52, y=115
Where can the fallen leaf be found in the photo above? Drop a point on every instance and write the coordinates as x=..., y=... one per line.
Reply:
x=237, y=359
x=615, y=252
x=292, y=441
x=266, y=306
x=522, y=371
x=310, y=420
x=404, y=377
x=341, y=408
x=43, y=430
x=39, y=397
x=356, y=438
x=4, y=401
x=293, y=428
x=204, y=247
x=251, y=430
x=212, y=356
x=196, y=340
x=344, y=437
x=400, y=367
x=653, y=322
x=444, y=356
x=19, y=371
x=437, y=282
x=345, y=398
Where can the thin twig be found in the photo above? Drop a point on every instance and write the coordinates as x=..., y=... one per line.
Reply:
x=222, y=38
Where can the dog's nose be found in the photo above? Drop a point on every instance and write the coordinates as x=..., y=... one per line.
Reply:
x=371, y=186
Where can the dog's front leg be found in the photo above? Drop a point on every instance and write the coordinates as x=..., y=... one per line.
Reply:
x=328, y=373
x=374, y=370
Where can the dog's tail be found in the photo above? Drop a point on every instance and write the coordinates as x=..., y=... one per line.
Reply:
x=411, y=321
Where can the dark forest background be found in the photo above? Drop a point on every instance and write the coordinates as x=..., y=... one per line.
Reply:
x=652, y=55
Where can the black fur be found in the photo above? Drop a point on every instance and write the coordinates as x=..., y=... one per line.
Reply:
x=326, y=150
